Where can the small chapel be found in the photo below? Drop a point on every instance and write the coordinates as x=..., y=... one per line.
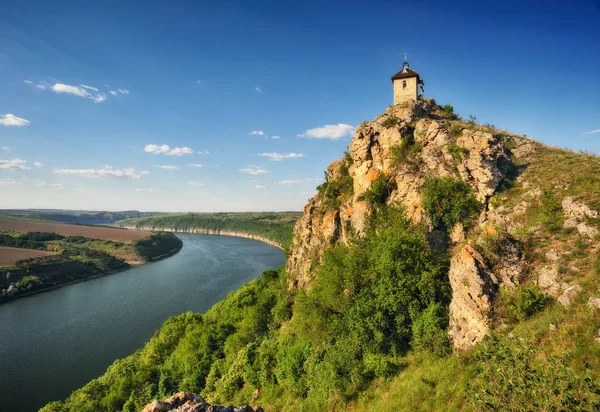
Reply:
x=408, y=85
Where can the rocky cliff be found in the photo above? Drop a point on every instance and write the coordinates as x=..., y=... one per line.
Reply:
x=191, y=402
x=430, y=143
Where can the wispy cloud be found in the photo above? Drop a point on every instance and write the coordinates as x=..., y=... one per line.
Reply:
x=14, y=164
x=55, y=185
x=9, y=182
x=280, y=156
x=81, y=91
x=89, y=88
x=289, y=182
x=12, y=120
x=123, y=91
x=38, y=164
x=258, y=89
x=257, y=133
x=593, y=131
x=4, y=148
x=195, y=183
x=166, y=167
x=274, y=137
x=147, y=190
x=167, y=150
x=253, y=170
x=112, y=92
x=202, y=152
x=28, y=82
x=329, y=131
x=260, y=187
x=106, y=172
x=196, y=165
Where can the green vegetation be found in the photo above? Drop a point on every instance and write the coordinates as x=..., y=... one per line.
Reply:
x=458, y=153
x=335, y=191
x=76, y=258
x=404, y=152
x=522, y=303
x=275, y=226
x=70, y=216
x=373, y=300
x=380, y=190
x=390, y=121
x=448, y=201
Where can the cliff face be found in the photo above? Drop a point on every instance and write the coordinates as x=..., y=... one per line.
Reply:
x=440, y=146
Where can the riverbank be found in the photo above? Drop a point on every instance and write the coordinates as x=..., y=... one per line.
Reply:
x=77, y=260
x=203, y=231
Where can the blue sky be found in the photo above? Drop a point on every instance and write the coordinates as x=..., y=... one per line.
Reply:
x=200, y=77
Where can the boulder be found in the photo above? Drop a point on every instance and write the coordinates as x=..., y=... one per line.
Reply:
x=548, y=281
x=578, y=210
x=566, y=298
x=472, y=290
x=594, y=303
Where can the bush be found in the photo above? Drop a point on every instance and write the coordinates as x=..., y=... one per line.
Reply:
x=448, y=201
x=380, y=190
x=523, y=302
x=458, y=153
x=390, y=121
x=403, y=152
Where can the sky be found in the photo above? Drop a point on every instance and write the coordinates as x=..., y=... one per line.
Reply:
x=241, y=105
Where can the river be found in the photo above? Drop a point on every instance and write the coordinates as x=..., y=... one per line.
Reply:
x=55, y=342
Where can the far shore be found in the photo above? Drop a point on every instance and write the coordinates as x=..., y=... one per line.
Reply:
x=201, y=231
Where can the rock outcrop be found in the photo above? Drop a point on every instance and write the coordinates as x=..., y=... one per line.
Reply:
x=190, y=402
x=441, y=148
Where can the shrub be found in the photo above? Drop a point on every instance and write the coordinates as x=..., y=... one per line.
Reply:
x=380, y=190
x=523, y=302
x=404, y=152
x=390, y=121
x=458, y=153
x=448, y=201
x=448, y=109
x=472, y=119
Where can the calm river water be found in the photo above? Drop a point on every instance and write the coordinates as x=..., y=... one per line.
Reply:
x=57, y=341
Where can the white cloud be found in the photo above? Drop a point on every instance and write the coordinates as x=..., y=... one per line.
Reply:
x=289, y=182
x=253, y=170
x=195, y=183
x=12, y=120
x=123, y=91
x=198, y=81
x=44, y=184
x=167, y=150
x=28, y=82
x=148, y=190
x=112, y=92
x=280, y=156
x=257, y=133
x=89, y=88
x=38, y=164
x=260, y=187
x=106, y=172
x=593, y=131
x=9, y=182
x=196, y=165
x=41, y=86
x=258, y=89
x=14, y=164
x=81, y=91
x=274, y=137
x=200, y=152
x=329, y=131
x=166, y=167
x=4, y=148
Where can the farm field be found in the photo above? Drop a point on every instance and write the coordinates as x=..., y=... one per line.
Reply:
x=10, y=255
x=94, y=232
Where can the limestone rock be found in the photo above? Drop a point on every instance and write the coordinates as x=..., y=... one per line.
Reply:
x=587, y=230
x=458, y=234
x=594, y=303
x=190, y=402
x=472, y=290
x=576, y=209
x=548, y=281
x=566, y=298
x=11, y=289
x=524, y=150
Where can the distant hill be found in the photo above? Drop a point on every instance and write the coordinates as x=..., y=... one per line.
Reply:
x=85, y=217
x=275, y=227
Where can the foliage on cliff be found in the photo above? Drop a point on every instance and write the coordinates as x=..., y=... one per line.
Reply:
x=275, y=226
